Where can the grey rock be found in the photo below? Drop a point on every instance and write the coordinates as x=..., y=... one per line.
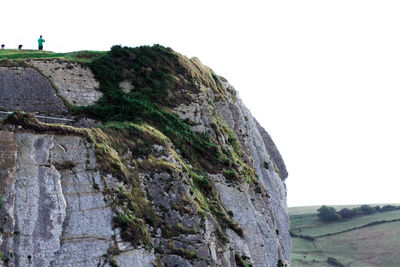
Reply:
x=175, y=260
x=273, y=151
x=262, y=219
x=61, y=211
x=126, y=86
x=191, y=112
x=259, y=243
x=136, y=257
x=239, y=117
x=74, y=82
x=27, y=90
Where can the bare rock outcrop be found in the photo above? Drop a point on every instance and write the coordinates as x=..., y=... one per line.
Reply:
x=52, y=214
x=27, y=90
x=74, y=82
x=265, y=221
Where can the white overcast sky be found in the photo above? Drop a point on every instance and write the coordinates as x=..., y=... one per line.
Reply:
x=323, y=77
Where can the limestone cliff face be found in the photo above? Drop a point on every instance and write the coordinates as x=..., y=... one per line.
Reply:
x=107, y=197
x=261, y=218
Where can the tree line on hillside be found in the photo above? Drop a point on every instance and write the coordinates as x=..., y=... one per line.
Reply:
x=330, y=214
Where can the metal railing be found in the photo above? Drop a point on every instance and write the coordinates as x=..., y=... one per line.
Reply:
x=44, y=118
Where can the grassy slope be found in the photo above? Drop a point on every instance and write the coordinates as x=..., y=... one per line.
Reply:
x=375, y=245
x=79, y=56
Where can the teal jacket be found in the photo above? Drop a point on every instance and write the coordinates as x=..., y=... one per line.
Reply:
x=41, y=41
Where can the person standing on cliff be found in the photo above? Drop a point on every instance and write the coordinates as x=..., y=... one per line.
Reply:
x=41, y=41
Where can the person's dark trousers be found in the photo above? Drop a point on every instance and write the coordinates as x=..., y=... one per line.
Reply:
x=40, y=47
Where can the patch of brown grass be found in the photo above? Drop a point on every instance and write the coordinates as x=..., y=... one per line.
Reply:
x=202, y=74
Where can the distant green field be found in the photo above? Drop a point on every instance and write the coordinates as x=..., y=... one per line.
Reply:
x=311, y=226
x=313, y=209
x=374, y=245
x=80, y=56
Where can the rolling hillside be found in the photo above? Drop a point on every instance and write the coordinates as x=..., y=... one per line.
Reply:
x=369, y=240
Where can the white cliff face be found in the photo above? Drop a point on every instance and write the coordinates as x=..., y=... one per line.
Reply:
x=74, y=82
x=57, y=209
x=277, y=245
x=265, y=220
x=53, y=213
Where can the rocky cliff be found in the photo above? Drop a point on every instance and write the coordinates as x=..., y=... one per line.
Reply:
x=162, y=165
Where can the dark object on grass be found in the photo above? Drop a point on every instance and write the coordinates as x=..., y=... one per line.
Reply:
x=20, y=47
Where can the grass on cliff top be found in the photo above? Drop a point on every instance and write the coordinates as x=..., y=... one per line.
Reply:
x=79, y=56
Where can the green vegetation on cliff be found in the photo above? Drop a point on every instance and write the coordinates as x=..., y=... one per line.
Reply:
x=152, y=72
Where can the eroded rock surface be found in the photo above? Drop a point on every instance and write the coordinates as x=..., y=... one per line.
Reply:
x=27, y=90
x=74, y=82
x=264, y=220
x=259, y=147
x=52, y=213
